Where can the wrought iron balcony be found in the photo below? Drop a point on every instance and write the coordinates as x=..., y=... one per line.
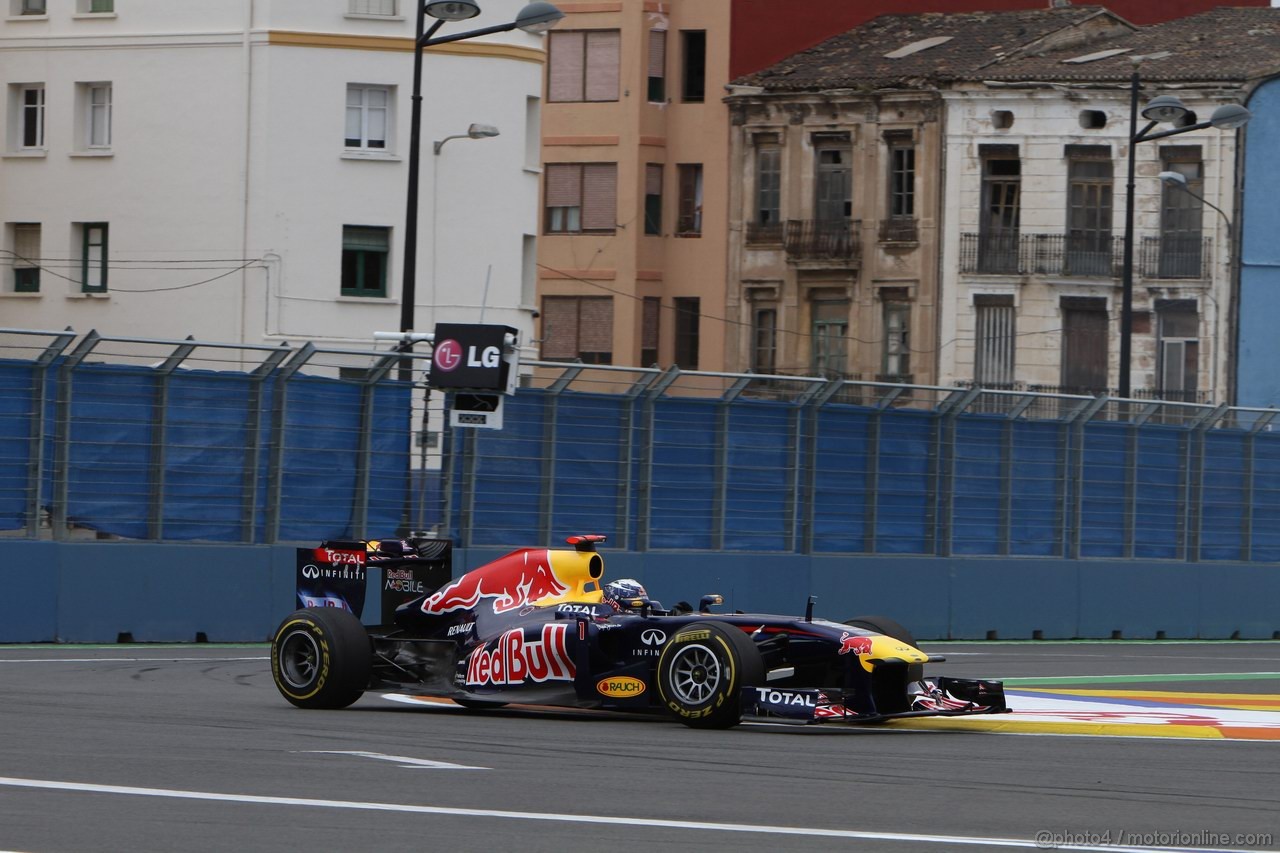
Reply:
x=1095, y=255
x=835, y=240
x=1168, y=256
x=764, y=233
x=899, y=230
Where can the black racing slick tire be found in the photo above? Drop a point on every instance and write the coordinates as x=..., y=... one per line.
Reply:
x=881, y=625
x=701, y=673
x=321, y=658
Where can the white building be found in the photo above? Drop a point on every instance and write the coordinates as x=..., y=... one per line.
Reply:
x=236, y=169
x=1033, y=248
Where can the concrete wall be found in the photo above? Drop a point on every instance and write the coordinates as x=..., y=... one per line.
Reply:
x=94, y=592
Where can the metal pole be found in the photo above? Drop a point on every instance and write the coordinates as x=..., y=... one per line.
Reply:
x=1126, y=297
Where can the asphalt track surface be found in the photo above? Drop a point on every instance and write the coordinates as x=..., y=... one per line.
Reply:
x=176, y=748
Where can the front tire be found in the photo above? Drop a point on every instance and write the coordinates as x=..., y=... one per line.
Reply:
x=701, y=673
x=321, y=658
x=881, y=625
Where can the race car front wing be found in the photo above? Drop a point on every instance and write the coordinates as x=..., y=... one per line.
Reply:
x=929, y=697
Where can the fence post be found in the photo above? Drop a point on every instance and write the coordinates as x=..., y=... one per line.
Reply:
x=943, y=477
x=644, y=486
x=631, y=410
x=1260, y=423
x=364, y=448
x=275, y=463
x=160, y=440
x=35, y=458
x=1073, y=471
x=62, y=432
x=808, y=407
x=722, y=461
x=253, y=458
x=1197, y=439
x=1132, y=435
x=550, y=435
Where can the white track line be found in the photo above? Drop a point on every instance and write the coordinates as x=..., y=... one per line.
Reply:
x=629, y=822
x=125, y=660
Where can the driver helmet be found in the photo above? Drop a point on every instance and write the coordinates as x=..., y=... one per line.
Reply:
x=626, y=594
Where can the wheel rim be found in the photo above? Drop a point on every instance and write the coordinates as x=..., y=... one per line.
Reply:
x=299, y=657
x=695, y=674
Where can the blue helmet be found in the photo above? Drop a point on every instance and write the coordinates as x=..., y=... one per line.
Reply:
x=626, y=594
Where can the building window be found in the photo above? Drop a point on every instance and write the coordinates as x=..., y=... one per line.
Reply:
x=26, y=257
x=689, y=217
x=896, y=349
x=31, y=119
x=372, y=7
x=829, y=328
x=650, y=325
x=687, y=315
x=95, y=106
x=1084, y=345
x=902, y=176
x=653, y=198
x=764, y=340
x=994, y=342
x=93, y=257
x=583, y=65
x=1089, y=188
x=657, y=65
x=693, y=81
x=1182, y=214
x=532, y=132
x=1001, y=209
x=1179, y=350
x=581, y=197
x=95, y=7
x=365, y=250
x=368, y=117
x=31, y=7
x=833, y=185
x=577, y=327
x=768, y=213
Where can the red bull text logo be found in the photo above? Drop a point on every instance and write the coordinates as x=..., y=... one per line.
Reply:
x=513, y=581
x=857, y=645
x=515, y=660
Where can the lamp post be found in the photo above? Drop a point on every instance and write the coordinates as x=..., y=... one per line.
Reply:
x=1163, y=108
x=1179, y=181
x=536, y=17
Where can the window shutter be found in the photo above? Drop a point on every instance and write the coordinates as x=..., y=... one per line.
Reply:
x=595, y=330
x=26, y=245
x=599, y=196
x=657, y=52
x=564, y=185
x=365, y=238
x=559, y=327
x=564, y=79
x=649, y=323
x=653, y=179
x=602, y=49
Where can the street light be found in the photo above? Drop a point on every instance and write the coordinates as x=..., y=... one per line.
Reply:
x=536, y=17
x=1179, y=181
x=1162, y=108
x=475, y=131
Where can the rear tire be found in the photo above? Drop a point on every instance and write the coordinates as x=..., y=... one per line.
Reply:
x=321, y=658
x=701, y=673
x=881, y=625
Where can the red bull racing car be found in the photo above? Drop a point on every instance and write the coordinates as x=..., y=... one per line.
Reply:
x=540, y=626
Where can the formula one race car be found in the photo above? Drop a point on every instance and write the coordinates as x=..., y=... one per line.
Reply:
x=536, y=626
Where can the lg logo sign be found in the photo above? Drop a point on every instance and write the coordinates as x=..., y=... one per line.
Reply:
x=448, y=356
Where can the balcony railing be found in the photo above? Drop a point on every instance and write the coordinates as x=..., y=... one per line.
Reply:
x=766, y=233
x=1042, y=254
x=899, y=231
x=1168, y=256
x=823, y=240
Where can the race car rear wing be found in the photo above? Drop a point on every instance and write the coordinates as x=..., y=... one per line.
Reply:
x=349, y=573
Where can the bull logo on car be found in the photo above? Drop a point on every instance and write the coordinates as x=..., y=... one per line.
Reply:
x=511, y=582
x=857, y=645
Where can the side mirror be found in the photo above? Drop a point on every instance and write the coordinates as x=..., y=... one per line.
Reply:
x=708, y=601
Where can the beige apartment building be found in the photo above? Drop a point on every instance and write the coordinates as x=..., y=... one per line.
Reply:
x=631, y=256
